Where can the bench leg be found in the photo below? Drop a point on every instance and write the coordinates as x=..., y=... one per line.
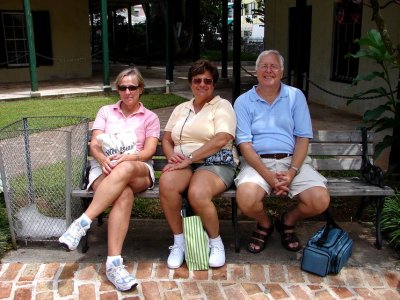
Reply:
x=360, y=209
x=379, y=202
x=85, y=240
x=235, y=225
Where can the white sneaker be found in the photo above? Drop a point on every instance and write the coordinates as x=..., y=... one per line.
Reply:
x=70, y=239
x=217, y=256
x=120, y=277
x=176, y=256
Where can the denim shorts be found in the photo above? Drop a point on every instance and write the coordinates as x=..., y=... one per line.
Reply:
x=225, y=172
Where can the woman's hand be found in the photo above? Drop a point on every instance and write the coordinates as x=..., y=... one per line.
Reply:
x=176, y=162
x=110, y=162
x=176, y=158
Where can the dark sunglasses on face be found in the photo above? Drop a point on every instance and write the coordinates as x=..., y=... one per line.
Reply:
x=122, y=88
x=207, y=81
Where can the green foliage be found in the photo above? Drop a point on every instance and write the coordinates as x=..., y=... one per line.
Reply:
x=390, y=223
x=5, y=237
x=384, y=116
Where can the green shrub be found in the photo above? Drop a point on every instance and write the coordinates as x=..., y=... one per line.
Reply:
x=391, y=220
x=5, y=237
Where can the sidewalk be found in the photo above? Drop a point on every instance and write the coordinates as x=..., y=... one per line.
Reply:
x=46, y=271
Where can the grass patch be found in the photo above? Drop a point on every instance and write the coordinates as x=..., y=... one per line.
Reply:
x=11, y=111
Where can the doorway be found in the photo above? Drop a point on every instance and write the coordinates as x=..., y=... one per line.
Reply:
x=299, y=46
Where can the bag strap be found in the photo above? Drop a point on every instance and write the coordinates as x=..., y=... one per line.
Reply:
x=330, y=223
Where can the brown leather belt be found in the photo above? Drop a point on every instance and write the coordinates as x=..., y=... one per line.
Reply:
x=276, y=155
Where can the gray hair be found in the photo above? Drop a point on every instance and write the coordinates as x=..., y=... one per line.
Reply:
x=268, y=52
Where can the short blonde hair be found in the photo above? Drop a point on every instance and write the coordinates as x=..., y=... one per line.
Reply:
x=130, y=72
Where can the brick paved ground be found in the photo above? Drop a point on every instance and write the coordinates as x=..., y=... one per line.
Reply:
x=233, y=281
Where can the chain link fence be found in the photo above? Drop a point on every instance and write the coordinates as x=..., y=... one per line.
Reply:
x=41, y=160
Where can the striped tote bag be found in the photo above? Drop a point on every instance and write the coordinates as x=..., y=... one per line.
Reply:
x=196, y=244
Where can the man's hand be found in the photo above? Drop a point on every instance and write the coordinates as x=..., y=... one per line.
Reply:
x=284, y=179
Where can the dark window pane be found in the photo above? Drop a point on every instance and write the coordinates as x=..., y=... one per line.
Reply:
x=347, y=28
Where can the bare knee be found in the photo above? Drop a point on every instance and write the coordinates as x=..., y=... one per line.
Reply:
x=248, y=200
x=167, y=185
x=199, y=197
x=317, y=200
x=125, y=200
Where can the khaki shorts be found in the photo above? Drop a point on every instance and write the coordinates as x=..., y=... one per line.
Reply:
x=307, y=177
x=96, y=171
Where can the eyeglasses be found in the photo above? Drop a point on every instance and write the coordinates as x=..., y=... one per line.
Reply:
x=122, y=88
x=272, y=67
x=207, y=81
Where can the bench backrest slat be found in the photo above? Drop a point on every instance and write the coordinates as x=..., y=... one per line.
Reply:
x=337, y=149
x=334, y=164
x=352, y=136
x=330, y=150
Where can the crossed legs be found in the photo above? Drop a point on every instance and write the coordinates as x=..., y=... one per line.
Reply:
x=125, y=180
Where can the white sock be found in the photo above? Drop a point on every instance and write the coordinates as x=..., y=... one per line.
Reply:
x=179, y=240
x=111, y=259
x=217, y=241
x=85, y=221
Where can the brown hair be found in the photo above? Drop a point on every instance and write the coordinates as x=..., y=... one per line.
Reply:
x=201, y=66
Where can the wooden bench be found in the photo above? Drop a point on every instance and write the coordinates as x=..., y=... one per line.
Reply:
x=330, y=151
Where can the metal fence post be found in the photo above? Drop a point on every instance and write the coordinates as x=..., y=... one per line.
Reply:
x=68, y=173
x=31, y=191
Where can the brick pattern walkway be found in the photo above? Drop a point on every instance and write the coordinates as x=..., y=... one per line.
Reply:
x=233, y=281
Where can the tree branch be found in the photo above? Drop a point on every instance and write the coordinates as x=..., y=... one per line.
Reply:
x=380, y=23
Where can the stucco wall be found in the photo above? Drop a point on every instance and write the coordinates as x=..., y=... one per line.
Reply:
x=321, y=50
x=70, y=37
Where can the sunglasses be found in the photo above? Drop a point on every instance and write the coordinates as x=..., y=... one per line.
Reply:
x=122, y=88
x=207, y=81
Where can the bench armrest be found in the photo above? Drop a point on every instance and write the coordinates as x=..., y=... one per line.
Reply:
x=371, y=173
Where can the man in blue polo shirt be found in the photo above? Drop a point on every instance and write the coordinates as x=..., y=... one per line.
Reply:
x=273, y=132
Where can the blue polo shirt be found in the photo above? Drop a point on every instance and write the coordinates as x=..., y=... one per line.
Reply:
x=272, y=128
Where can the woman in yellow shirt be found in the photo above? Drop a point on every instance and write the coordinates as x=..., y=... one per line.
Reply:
x=197, y=131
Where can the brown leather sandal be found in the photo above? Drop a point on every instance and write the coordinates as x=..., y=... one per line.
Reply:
x=288, y=236
x=259, y=238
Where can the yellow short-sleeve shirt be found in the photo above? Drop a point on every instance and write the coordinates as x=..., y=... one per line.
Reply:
x=190, y=131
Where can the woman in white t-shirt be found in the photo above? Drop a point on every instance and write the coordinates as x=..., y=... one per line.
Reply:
x=196, y=130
